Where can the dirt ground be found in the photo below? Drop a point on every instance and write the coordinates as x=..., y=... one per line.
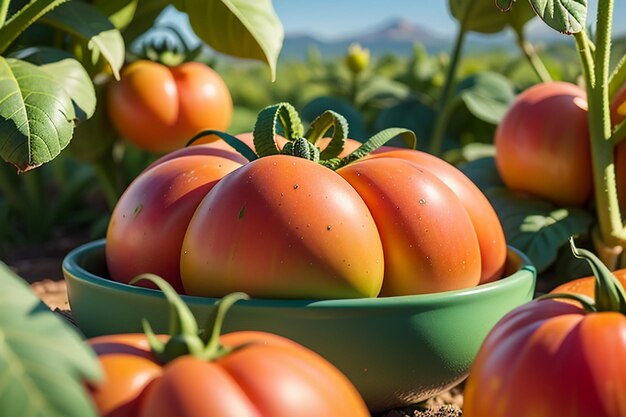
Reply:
x=41, y=267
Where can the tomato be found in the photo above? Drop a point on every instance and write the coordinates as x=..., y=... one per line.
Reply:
x=159, y=108
x=149, y=222
x=483, y=216
x=263, y=376
x=417, y=215
x=586, y=285
x=548, y=358
x=542, y=144
x=282, y=227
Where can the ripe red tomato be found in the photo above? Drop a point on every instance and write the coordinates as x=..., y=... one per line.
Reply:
x=159, y=108
x=282, y=227
x=549, y=358
x=542, y=144
x=417, y=215
x=484, y=218
x=263, y=376
x=149, y=222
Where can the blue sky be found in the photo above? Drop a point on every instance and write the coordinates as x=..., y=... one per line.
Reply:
x=336, y=18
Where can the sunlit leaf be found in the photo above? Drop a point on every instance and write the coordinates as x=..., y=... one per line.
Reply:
x=487, y=95
x=241, y=28
x=565, y=16
x=44, y=362
x=36, y=116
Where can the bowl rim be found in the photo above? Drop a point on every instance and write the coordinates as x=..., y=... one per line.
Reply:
x=72, y=268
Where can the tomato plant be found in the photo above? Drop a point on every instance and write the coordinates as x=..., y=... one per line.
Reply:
x=160, y=108
x=241, y=373
x=542, y=144
x=553, y=358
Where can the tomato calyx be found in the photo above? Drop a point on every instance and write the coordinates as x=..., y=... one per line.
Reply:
x=609, y=292
x=185, y=336
x=303, y=144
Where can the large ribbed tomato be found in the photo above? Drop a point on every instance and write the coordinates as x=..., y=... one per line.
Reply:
x=160, y=108
x=283, y=227
x=264, y=376
x=198, y=373
x=542, y=144
x=553, y=358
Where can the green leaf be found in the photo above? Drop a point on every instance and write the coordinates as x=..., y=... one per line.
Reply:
x=44, y=363
x=379, y=89
x=119, y=12
x=67, y=72
x=537, y=227
x=485, y=16
x=36, y=115
x=487, y=95
x=241, y=28
x=565, y=16
x=86, y=23
x=482, y=172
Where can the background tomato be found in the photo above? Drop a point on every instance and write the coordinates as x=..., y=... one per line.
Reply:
x=586, y=285
x=542, y=144
x=548, y=358
x=264, y=375
x=159, y=108
x=282, y=227
x=484, y=218
x=149, y=222
x=417, y=215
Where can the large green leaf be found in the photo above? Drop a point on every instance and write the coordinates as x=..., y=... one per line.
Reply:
x=565, y=16
x=412, y=113
x=537, y=227
x=68, y=73
x=36, y=114
x=241, y=28
x=482, y=172
x=87, y=24
x=484, y=17
x=487, y=95
x=43, y=361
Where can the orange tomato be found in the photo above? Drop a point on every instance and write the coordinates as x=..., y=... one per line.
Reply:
x=264, y=375
x=159, y=108
x=587, y=285
x=542, y=144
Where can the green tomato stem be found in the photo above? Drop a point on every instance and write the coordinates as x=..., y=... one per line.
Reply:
x=441, y=122
x=618, y=77
x=533, y=58
x=586, y=58
x=619, y=133
x=213, y=347
x=610, y=223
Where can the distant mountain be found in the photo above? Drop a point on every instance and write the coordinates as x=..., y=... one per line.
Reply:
x=396, y=36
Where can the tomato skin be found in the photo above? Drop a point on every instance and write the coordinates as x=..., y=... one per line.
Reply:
x=282, y=227
x=548, y=358
x=586, y=285
x=417, y=215
x=149, y=222
x=269, y=376
x=486, y=223
x=542, y=144
x=160, y=108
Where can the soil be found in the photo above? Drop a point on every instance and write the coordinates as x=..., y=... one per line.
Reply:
x=41, y=267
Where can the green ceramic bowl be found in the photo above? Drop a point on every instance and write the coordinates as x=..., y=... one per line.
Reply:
x=396, y=350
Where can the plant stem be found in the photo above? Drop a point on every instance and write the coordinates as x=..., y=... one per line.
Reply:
x=4, y=9
x=439, y=129
x=618, y=77
x=533, y=58
x=608, y=211
x=586, y=59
